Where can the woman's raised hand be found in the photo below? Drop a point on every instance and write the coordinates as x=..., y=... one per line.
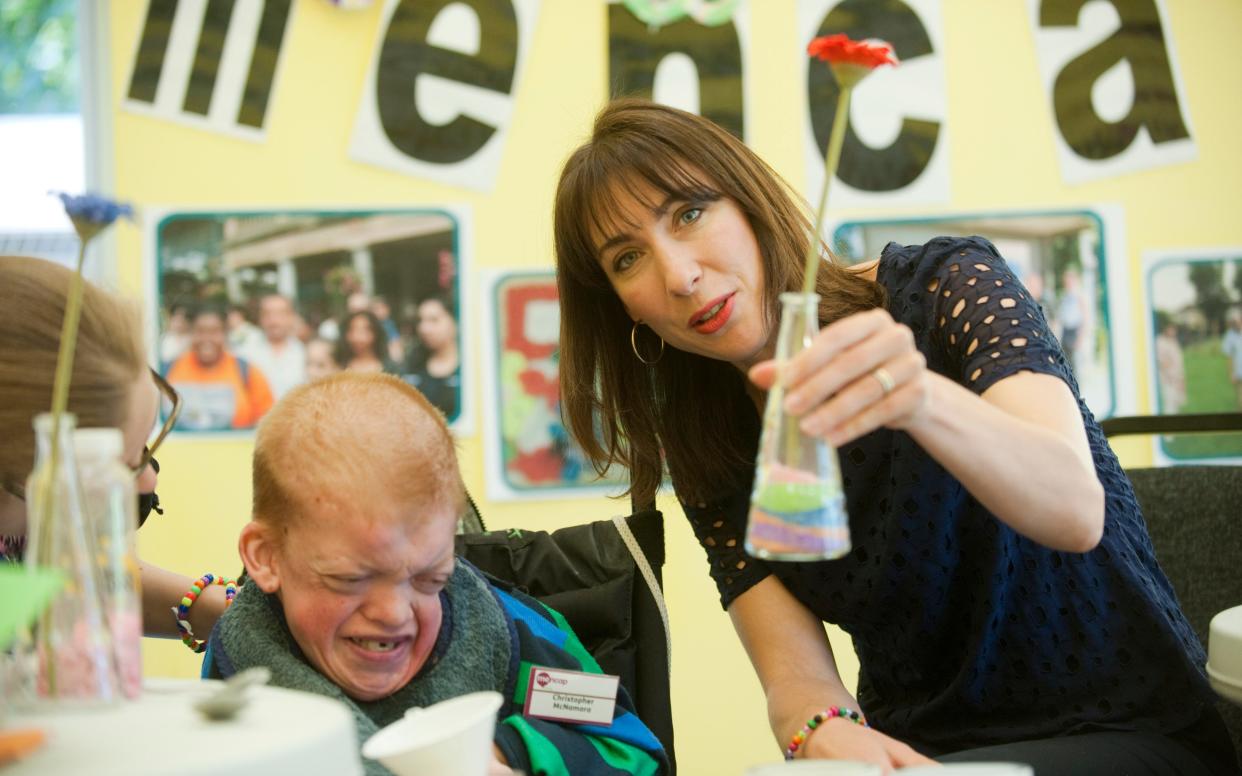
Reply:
x=859, y=373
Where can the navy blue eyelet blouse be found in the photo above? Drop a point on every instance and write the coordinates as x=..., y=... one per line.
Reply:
x=967, y=633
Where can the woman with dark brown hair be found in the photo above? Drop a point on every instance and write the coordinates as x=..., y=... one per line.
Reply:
x=1000, y=570
x=435, y=367
x=363, y=346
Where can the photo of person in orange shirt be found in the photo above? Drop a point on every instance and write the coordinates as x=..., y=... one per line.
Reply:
x=221, y=391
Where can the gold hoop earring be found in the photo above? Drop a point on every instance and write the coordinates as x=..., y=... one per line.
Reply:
x=634, y=346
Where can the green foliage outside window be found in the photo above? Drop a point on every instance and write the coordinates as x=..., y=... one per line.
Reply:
x=38, y=57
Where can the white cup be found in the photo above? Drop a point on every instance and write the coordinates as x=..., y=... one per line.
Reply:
x=1224, y=666
x=814, y=768
x=450, y=738
x=970, y=769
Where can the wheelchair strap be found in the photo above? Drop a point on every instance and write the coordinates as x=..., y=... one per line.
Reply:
x=644, y=567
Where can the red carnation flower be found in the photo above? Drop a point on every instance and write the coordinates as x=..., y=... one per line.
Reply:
x=850, y=62
x=839, y=49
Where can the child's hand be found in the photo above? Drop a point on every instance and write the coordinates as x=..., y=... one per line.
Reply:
x=498, y=766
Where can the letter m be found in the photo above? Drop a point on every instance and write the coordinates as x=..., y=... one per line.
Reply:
x=210, y=62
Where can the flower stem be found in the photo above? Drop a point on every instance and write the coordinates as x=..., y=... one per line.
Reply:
x=60, y=401
x=64, y=358
x=840, y=120
x=68, y=346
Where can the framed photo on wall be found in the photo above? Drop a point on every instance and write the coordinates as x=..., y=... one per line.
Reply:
x=1069, y=260
x=251, y=304
x=530, y=455
x=1194, y=329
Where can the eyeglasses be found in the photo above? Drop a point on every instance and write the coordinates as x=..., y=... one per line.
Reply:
x=169, y=396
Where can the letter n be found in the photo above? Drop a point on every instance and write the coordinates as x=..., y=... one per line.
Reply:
x=635, y=52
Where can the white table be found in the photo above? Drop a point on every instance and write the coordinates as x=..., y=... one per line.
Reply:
x=278, y=732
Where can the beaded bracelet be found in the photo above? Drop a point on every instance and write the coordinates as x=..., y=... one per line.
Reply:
x=819, y=719
x=181, y=613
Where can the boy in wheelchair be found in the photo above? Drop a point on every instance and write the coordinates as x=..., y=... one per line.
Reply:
x=355, y=592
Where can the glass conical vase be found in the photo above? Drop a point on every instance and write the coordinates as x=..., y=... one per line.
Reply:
x=797, y=506
x=72, y=646
x=112, y=524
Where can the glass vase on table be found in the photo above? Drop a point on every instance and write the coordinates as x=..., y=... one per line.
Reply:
x=112, y=527
x=71, y=659
x=797, y=505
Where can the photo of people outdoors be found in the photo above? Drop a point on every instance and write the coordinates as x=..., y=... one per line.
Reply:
x=1196, y=321
x=252, y=305
x=1059, y=256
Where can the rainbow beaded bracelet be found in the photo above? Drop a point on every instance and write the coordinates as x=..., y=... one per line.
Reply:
x=832, y=711
x=181, y=613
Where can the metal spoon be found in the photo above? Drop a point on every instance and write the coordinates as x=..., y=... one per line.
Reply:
x=225, y=702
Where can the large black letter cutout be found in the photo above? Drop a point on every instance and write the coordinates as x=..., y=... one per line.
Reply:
x=1139, y=41
x=862, y=167
x=208, y=53
x=149, y=63
x=406, y=55
x=634, y=53
x=207, y=57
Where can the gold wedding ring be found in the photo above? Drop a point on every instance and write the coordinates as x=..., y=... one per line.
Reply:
x=886, y=381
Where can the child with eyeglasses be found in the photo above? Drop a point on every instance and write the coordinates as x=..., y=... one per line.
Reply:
x=111, y=386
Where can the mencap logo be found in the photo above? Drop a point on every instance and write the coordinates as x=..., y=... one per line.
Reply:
x=542, y=679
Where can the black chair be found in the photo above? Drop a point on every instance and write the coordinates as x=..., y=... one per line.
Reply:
x=1194, y=516
x=605, y=578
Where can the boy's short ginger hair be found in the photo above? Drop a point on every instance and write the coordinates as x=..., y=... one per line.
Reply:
x=348, y=435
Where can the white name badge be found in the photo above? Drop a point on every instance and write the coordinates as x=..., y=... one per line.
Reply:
x=570, y=696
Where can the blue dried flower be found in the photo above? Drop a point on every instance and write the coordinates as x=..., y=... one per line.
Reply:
x=91, y=213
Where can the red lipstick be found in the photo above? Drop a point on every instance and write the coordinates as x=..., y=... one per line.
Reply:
x=718, y=320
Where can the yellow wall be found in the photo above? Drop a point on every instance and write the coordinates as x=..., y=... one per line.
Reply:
x=1002, y=154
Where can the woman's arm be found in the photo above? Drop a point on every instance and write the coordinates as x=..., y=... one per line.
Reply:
x=1022, y=451
x=162, y=590
x=793, y=659
x=1019, y=448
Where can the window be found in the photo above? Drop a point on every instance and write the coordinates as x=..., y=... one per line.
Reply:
x=41, y=127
